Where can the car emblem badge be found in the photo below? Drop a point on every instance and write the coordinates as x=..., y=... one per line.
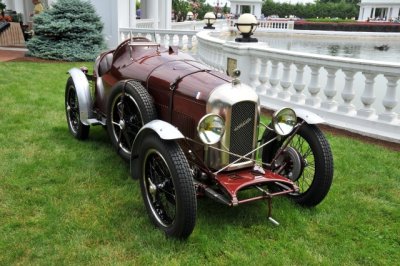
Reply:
x=245, y=122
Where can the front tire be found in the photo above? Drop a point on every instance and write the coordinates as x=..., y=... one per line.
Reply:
x=307, y=161
x=129, y=108
x=77, y=129
x=167, y=187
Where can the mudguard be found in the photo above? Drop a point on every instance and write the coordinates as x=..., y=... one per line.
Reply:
x=164, y=130
x=83, y=92
x=309, y=117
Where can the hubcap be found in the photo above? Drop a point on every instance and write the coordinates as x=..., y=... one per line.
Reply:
x=292, y=163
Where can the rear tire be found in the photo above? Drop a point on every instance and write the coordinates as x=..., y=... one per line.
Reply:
x=129, y=108
x=167, y=187
x=77, y=129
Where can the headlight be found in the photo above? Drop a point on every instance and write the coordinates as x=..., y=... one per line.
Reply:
x=284, y=121
x=211, y=128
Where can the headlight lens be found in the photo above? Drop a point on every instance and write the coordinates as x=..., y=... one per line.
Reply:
x=211, y=128
x=284, y=121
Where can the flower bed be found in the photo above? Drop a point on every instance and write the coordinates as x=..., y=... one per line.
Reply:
x=348, y=26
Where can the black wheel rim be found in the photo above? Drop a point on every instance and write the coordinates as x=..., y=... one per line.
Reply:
x=72, y=108
x=126, y=121
x=306, y=178
x=159, y=187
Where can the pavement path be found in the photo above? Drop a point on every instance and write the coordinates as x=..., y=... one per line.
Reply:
x=8, y=54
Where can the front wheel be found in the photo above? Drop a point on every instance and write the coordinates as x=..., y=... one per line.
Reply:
x=167, y=187
x=77, y=129
x=307, y=161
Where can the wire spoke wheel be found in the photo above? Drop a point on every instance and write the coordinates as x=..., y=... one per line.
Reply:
x=129, y=109
x=159, y=187
x=73, y=109
x=126, y=121
x=167, y=188
x=77, y=129
x=307, y=161
x=304, y=181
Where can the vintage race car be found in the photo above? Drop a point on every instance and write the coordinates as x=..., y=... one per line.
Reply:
x=189, y=131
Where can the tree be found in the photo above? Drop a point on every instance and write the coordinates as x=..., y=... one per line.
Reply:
x=70, y=30
x=180, y=7
x=2, y=6
x=321, y=8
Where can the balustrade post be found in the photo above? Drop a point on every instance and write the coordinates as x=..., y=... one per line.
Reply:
x=123, y=36
x=273, y=80
x=348, y=93
x=170, y=40
x=314, y=88
x=254, y=71
x=162, y=39
x=299, y=85
x=285, y=81
x=368, y=97
x=190, y=42
x=389, y=101
x=330, y=89
x=180, y=43
x=263, y=77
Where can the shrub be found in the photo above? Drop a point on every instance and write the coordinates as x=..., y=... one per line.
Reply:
x=70, y=30
x=340, y=9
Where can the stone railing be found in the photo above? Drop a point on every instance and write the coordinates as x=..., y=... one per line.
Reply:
x=343, y=91
x=271, y=24
x=197, y=25
x=184, y=39
x=229, y=23
x=146, y=23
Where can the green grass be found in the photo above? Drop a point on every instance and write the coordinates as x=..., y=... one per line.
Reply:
x=68, y=202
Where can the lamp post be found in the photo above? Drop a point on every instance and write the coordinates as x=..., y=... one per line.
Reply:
x=246, y=24
x=209, y=19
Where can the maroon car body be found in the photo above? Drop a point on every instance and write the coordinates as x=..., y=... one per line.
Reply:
x=190, y=131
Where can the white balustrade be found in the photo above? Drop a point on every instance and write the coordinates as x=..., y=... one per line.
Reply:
x=270, y=24
x=263, y=77
x=330, y=90
x=181, y=38
x=299, y=85
x=346, y=98
x=146, y=23
x=368, y=96
x=390, y=101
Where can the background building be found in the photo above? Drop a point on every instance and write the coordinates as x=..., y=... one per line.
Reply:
x=114, y=14
x=380, y=10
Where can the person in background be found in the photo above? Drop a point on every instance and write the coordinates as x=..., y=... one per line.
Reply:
x=38, y=7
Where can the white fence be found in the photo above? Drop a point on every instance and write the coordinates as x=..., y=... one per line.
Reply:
x=146, y=23
x=323, y=84
x=184, y=39
x=271, y=24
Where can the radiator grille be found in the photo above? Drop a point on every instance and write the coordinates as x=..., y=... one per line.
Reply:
x=242, y=129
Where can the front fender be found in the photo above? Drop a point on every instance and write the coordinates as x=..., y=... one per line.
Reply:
x=309, y=117
x=83, y=92
x=164, y=130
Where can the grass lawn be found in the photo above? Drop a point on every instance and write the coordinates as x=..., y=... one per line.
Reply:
x=68, y=202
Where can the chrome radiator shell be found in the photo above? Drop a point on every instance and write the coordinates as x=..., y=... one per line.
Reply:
x=239, y=105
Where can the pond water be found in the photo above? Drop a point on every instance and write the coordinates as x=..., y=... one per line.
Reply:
x=352, y=46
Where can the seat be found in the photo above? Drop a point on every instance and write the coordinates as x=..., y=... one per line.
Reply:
x=105, y=63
